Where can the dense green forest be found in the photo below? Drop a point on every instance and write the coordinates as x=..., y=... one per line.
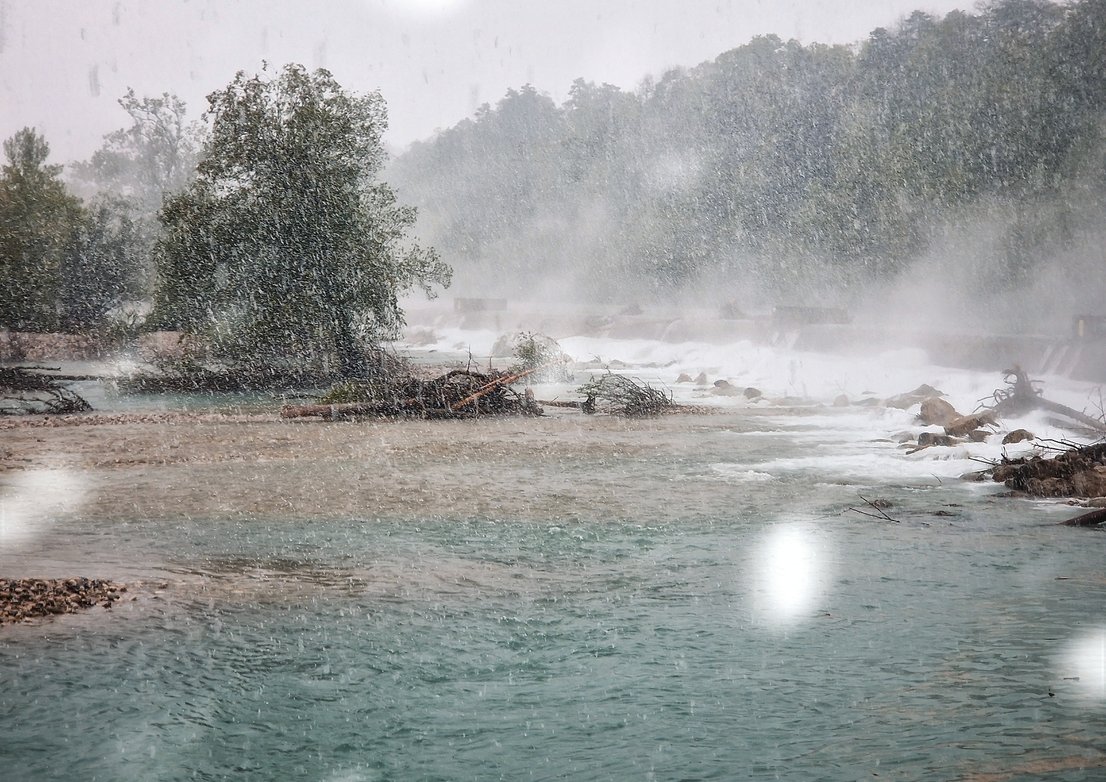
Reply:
x=266, y=233
x=972, y=147
x=793, y=170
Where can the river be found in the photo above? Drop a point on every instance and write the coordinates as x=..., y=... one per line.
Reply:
x=689, y=597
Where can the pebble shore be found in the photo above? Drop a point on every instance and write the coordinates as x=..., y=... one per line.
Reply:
x=31, y=598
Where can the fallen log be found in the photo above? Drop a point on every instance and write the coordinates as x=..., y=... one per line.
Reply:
x=962, y=425
x=559, y=403
x=1075, y=415
x=1023, y=396
x=491, y=386
x=1092, y=519
x=459, y=393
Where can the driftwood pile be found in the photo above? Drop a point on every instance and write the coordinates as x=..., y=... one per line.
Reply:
x=460, y=393
x=1077, y=472
x=1022, y=395
x=30, y=390
x=1056, y=469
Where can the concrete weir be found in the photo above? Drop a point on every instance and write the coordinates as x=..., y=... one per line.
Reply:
x=1080, y=356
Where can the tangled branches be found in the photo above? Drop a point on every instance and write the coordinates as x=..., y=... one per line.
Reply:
x=25, y=390
x=460, y=393
x=621, y=395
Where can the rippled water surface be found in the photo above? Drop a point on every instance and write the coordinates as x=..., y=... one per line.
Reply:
x=767, y=633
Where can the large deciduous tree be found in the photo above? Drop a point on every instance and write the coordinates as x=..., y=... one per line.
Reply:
x=286, y=246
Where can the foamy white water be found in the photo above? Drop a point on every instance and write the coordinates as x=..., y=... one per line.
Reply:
x=855, y=442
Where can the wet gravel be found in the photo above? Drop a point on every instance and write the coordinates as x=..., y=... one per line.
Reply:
x=22, y=599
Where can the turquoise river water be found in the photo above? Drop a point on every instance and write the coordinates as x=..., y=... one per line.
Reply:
x=769, y=633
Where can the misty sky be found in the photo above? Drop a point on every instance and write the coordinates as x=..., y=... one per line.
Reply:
x=65, y=63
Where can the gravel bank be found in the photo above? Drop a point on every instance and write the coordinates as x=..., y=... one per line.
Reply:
x=31, y=598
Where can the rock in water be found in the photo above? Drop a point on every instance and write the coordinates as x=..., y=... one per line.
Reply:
x=962, y=425
x=926, y=439
x=936, y=412
x=724, y=388
x=1017, y=436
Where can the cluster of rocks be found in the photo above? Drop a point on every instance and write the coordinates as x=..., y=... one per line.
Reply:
x=1079, y=472
x=30, y=598
x=958, y=428
x=721, y=387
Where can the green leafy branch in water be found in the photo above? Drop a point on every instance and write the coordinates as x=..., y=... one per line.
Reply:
x=620, y=395
x=541, y=355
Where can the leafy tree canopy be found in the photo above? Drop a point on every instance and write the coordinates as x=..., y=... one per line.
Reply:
x=286, y=246
x=152, y=158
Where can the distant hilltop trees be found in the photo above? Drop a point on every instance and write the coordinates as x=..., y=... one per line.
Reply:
x=780, y=165
x=778, y=170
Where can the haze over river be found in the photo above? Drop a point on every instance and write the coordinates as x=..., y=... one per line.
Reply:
x=686, y=597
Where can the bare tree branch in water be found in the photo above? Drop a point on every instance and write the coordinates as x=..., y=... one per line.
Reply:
x=25, y=390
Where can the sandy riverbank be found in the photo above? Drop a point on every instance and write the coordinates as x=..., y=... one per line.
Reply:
x=186, y=465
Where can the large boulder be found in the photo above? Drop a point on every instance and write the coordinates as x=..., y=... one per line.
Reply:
x=936, y=412
x=926, y=439
x=1017, y=436
x=725, y=388
x=962, y=425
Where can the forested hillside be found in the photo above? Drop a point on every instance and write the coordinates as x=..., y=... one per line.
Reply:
x=790, y=169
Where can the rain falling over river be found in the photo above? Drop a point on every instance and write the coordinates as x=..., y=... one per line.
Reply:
x=564, y=597
x=258, y=239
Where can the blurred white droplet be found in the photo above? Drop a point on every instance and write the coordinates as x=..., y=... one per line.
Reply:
x=790, y=575
x=33, y=498
x=1083, y=664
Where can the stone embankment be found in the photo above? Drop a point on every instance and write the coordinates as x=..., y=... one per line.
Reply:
x=31, y=598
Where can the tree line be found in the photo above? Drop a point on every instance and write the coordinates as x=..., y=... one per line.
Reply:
x=782, y=163
x=266, y=231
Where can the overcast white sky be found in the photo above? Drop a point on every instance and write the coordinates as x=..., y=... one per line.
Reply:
x=65, y=63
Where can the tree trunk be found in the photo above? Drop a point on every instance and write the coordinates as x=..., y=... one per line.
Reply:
x=1092, y=519
x=351, y=358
